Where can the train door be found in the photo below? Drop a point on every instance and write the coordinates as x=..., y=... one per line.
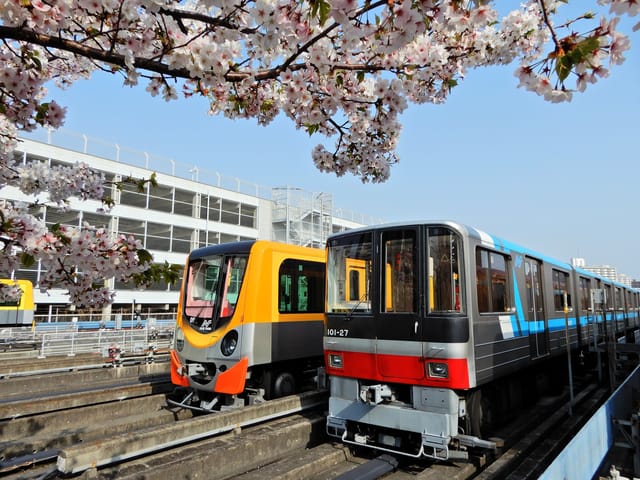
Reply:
x=534, y=309
x=398, y=326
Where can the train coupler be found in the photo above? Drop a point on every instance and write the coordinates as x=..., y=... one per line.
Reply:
x=255, y=396
x=475, y=442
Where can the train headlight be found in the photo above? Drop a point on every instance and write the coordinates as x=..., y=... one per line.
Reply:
x=439, y=370
x=335, y=360
x=229, y=343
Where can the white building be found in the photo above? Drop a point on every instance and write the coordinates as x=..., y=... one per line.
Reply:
x=189, y=208
x=606, y=271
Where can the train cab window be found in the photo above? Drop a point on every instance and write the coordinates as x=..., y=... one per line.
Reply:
x=400, y=271
x=444, y=271
x=349, y=269
x=235, y=271
x=213, y=286
x=301, y=287
x=560, y=288
x=492, y=284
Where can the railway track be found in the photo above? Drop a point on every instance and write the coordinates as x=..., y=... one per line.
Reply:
x=116, y=424
x=529, y=444
x=116, y=419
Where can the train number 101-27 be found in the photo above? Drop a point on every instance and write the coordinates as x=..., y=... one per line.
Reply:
x=338, y=332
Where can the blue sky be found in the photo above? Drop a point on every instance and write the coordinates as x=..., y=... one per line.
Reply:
x=559, y=179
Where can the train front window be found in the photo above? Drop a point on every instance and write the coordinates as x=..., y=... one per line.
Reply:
x=349, y=261
x=444, y=271
x=213, y=286
x=400, y=270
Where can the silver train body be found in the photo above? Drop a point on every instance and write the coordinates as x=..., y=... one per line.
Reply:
x=433, y=327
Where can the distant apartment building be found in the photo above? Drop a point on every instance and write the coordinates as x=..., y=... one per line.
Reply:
x=606, y=271
x=190, y=208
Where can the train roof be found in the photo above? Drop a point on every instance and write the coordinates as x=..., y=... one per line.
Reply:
x=486, y=239
x=245, y=246
x=222, y=248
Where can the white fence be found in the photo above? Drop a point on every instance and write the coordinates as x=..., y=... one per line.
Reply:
x=70, y=342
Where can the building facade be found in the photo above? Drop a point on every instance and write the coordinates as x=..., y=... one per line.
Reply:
x=189, y=208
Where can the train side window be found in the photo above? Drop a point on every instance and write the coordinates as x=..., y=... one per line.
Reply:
x=444, y=271
x=608, y=300
x=492, y=281
x=619, y=300
x=585, y=294
x=560, y=287
x=301, y=287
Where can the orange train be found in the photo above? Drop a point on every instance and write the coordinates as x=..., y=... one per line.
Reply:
x=249, y=325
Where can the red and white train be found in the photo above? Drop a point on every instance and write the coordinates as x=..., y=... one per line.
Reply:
x=434, y=329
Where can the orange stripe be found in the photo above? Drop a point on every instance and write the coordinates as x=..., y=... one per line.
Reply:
x=232, y=381
x=176, y=367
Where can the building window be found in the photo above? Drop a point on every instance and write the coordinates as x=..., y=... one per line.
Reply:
x=181, y=239
x=158, y=237
x=230, y=212
x=161, y=198
x=130, y=226
x=129, y=195
x=247, y=216
x=210, y=208
x=183, y=203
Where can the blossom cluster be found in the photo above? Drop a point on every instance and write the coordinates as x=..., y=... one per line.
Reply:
x=79, y=260
x=82, y=260
x=326, y=64
x=342, y=69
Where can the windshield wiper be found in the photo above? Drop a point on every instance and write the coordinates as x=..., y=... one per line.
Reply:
x=355, y=307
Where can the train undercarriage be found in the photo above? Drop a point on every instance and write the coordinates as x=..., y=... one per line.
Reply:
x=436, y=423
x=264, y=382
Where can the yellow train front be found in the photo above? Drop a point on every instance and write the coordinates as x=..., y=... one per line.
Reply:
x=249, y=324
x=17, y=306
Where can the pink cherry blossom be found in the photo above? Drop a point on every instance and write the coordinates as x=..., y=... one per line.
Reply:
x=341, y=69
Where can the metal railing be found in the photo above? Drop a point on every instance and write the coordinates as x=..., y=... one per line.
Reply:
x=109, y=343
x=81, y=142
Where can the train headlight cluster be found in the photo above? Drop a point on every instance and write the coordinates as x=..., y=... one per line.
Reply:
x=229, y=343
x=335, y=360
x=438, y=370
